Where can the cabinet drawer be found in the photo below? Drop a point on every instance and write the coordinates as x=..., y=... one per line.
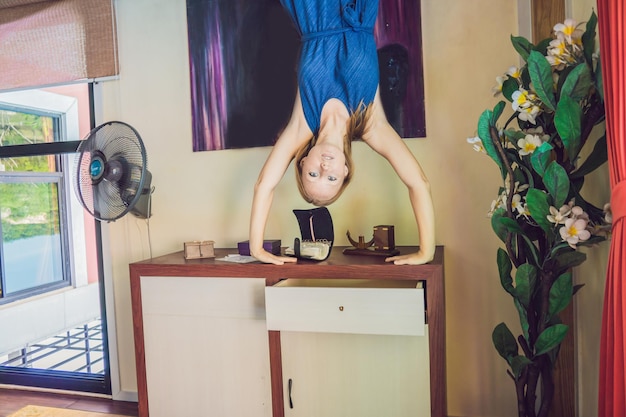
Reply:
x=360, y=306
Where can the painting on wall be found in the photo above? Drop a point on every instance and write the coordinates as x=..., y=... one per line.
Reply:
x=243, y=58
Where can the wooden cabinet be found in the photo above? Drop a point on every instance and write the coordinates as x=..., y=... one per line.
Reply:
x=348, y=336
x=205, y=344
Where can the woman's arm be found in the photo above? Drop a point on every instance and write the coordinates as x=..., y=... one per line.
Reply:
x=295, y=134
x=382, y=138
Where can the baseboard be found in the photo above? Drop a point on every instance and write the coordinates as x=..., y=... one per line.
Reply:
x=53, y=391
x=129, y=396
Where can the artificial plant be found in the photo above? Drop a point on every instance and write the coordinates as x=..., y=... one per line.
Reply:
x=552, y=140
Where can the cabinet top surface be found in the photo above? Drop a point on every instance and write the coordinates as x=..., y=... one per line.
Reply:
x=337, y=265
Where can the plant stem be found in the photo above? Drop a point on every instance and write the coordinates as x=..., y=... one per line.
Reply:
x=493, y=133
x=520, y=389
x=547, y=385
x=531, y=389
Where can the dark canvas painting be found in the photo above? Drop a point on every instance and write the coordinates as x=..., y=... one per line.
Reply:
x=243, y=56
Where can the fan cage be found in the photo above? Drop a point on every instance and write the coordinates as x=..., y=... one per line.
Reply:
x=111, y=194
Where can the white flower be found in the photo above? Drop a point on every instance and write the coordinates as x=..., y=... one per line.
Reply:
x=497, y=203
x=520, y=99
x=524, y=211
x=516, y=202
x=578, y=213
x=527, y=104
x=529, y=114
x=559, y=216
x=568, y=29
x=518, y=205
x=514, y=72
x=477, y=144
x=511, y=72
x=575, y=231
x=528, y=144
x=566, y=48
x=538, y=130
x=497, y=89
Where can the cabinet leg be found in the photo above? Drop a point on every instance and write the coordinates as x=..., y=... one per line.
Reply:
x=276, y=374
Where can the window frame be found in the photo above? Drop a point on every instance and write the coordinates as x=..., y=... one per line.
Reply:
x=60, y=111
x=63, y=380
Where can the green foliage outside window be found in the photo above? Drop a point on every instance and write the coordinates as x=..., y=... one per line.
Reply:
x=27, y=208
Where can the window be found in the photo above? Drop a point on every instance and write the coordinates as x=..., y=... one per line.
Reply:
x=50, y=247
x=40, y=221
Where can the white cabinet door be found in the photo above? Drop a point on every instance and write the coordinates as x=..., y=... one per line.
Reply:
x=206, y=347
x=350, y=375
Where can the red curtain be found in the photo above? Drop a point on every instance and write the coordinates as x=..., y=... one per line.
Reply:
x=612, y=384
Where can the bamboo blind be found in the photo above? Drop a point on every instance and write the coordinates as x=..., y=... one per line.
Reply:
x=46, y=42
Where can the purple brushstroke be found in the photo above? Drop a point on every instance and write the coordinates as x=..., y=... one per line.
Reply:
x=399, y=22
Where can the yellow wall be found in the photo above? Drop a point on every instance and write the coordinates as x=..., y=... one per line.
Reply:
x=207, y=195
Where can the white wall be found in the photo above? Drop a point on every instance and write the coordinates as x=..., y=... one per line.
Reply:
x=207, y=195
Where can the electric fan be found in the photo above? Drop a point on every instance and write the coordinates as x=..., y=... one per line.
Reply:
x=112, y=178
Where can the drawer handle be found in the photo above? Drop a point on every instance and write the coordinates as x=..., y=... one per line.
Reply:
x=340, y=308
x=290, y=383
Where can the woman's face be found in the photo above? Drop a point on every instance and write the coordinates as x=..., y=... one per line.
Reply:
x=323, y=171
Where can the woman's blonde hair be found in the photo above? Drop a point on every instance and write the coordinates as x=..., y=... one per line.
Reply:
x=357, y=126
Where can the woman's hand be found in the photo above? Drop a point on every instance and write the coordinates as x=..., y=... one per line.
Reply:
x=269, y=258
x=416, y=258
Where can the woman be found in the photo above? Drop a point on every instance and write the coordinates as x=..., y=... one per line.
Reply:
x=337, y=101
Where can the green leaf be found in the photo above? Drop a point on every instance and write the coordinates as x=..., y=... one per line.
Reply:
x=542, y=46
x=550, y=338
x=511, y=225
x=567, y=121
x=509, y=86
x=514, y=135
x=532, y=249
x=570, y=259
x=557, y=183
x=599, y=80
x=525, y=279
x=504, y=341
x=541, y=157
x=497, y=112
x=539, y=208
x=540, y=72
x=505, y=267
x=589, y=38
x=518, y=364
x=523, y=318
x=497, y=225
x=484, y=133
x=596, y=158
x=522, y=46
x=577, y=83
x=561, y=293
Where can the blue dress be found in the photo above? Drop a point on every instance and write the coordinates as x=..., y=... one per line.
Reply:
x=338, y=57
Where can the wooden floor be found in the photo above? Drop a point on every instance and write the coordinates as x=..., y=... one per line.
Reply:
x=12, y=400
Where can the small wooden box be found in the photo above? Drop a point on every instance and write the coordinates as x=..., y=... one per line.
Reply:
x=384, y=237
x=199, y=249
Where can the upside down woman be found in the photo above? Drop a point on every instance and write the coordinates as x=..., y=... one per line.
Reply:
x=337, y=101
